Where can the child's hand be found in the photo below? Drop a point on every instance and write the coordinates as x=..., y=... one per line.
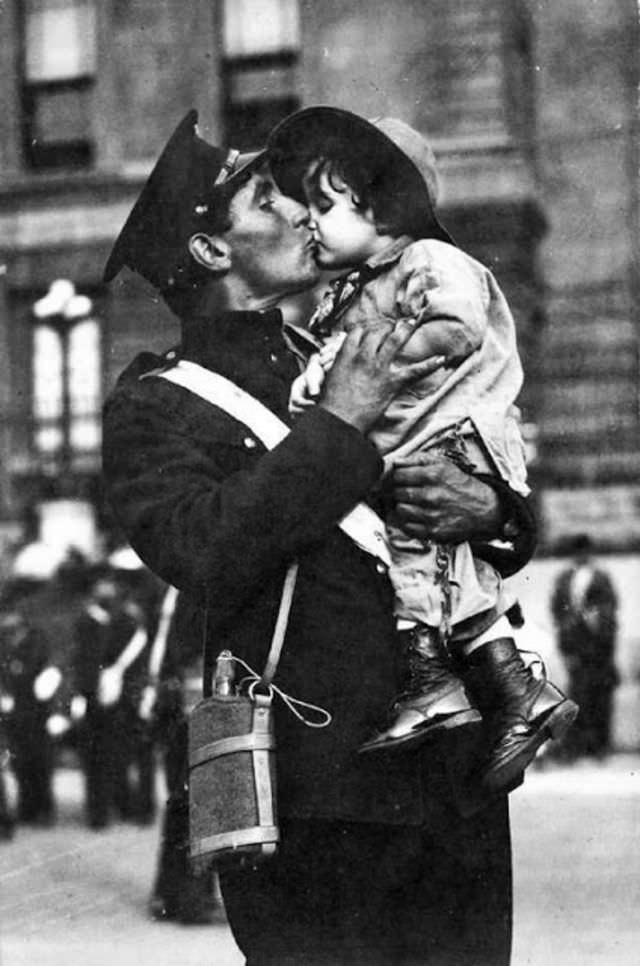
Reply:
x=306, y=389
x=330, y=350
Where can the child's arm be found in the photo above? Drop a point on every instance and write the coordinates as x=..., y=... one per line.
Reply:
x=439, y=337
x=306, y=388
x=441, y=286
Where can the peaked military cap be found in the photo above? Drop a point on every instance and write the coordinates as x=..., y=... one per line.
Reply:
x=176, y=202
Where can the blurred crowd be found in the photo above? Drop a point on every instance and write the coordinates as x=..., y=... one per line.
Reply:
x=95, y=674
x=97, y=671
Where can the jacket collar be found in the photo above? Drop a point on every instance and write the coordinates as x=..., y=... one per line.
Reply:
x=246, y=347
x=220, y=341
x=391, y=253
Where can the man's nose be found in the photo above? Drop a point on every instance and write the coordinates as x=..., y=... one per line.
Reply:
x=298, y=214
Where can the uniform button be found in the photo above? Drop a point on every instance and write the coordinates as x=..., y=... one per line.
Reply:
x=171, y=355
x=380, y=567
x=273, y=357
x=250, y=442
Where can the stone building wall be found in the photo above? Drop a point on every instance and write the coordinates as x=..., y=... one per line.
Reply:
x=587, y=72
x=531, y=107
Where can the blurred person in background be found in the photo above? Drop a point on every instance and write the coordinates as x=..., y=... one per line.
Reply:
x=141, y=594
x=134, y=724
x=6, y=817
x=175, y=686
x=584, y=607
x=110, y=638
x=28, y=683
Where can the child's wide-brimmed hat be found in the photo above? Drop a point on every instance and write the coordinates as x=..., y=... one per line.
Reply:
x=395, y=152
x=176, y=203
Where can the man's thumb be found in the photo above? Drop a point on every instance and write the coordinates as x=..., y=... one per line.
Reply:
x=418, y=370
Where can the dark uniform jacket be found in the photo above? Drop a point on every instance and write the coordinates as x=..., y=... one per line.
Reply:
x=586, y=633
x=211, y=512
x=20, y=665
x=98, y=645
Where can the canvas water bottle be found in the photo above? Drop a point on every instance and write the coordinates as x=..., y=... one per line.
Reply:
x=232, y=797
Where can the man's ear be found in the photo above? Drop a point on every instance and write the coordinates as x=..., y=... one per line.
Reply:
x=211, y=251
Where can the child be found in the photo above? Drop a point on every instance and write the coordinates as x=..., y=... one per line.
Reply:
x=371, y=192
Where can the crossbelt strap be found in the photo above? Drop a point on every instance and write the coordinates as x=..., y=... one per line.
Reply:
x=361, y=524
x=282, y=620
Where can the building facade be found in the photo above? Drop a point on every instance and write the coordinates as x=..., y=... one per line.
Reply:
x=533, y=121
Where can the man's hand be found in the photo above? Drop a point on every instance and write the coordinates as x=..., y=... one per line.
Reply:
x=148, y=702
x=436, y=500
x=57, y=725
x=109, y=687
x=366, y=375
x=47, y=683
x=78, y=707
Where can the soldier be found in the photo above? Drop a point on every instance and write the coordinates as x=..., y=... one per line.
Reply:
x=109, y=642
x=140, y=594
x=6, y=818
x=375, y=865
x=28, y=682
x=175, y=682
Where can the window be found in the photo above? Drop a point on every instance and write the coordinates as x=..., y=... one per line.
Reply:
x=475, y=59
x=261, y=42
x=48, y=393
x=58, y=73
x=66, y=393
x=67, y=381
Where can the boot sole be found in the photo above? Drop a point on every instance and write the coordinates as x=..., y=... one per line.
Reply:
x=561, y=719
x=464, y=721
x=554, y=726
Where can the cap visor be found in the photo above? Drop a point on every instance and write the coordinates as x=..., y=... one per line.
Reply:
x=181, y=137
x=246, y=164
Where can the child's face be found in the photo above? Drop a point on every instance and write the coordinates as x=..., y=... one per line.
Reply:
x=344, y=234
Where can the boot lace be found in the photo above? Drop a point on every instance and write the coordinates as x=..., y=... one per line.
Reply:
x=535, y=665
x=424, y=672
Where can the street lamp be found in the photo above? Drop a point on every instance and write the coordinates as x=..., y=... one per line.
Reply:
x=62, y=308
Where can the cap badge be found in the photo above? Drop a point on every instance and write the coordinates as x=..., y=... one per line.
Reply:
x=227, y=167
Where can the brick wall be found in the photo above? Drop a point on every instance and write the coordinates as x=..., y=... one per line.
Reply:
x=517, y=157
x=587, y=80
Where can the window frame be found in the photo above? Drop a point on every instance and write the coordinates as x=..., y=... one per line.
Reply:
x=78, y=153
x=66, y=457
x=273, y=108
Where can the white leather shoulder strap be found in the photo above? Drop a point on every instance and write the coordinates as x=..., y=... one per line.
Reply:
x=224, y=394
x=361, y=524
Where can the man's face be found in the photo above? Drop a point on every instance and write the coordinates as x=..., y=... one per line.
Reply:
x=272, y=248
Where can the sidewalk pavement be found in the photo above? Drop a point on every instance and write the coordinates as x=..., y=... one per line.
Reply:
x=72, y=897
x=577, y=864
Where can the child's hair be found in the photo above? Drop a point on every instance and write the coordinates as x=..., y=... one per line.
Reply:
x=372, y=187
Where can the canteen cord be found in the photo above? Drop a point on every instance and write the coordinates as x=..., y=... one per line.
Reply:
x=291, y=703
x=537, y=660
